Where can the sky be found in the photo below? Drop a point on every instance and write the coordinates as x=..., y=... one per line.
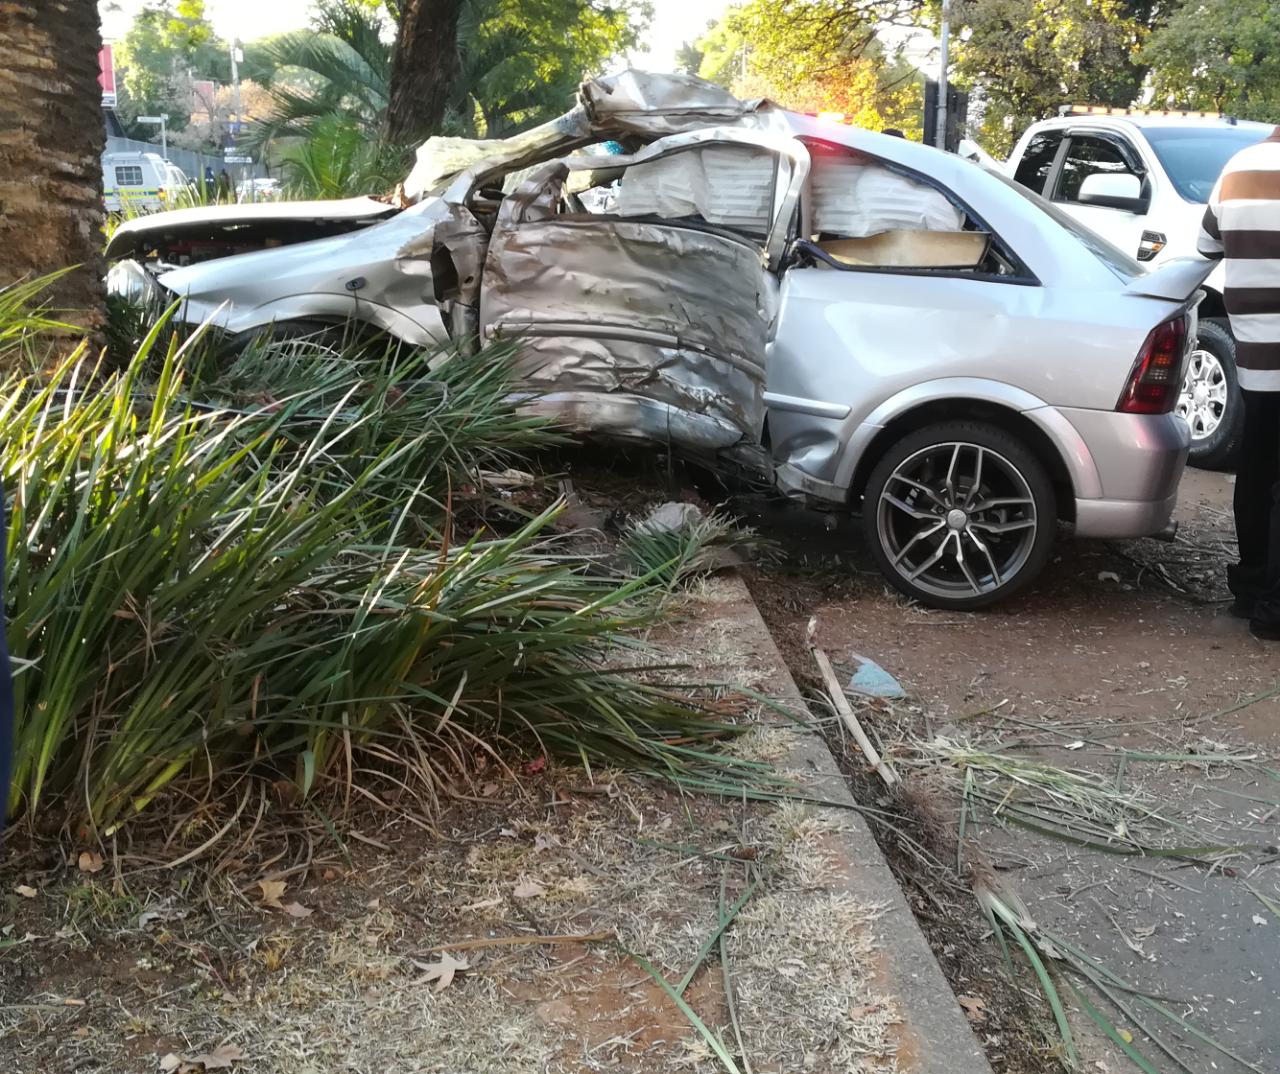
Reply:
x=674, y=22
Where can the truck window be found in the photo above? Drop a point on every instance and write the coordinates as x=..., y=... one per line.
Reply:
x=128, y=175
x=1033, y=168
x=1088, y=156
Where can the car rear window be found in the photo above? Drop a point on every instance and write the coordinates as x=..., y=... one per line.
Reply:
x=1113, y=257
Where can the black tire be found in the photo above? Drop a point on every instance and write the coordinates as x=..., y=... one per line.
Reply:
x=1014, y=538
x=1219, y=449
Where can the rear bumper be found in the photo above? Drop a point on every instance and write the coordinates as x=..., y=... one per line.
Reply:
x=1139, y=460
x=1123, y=518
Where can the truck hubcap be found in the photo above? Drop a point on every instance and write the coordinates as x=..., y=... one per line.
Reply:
x=1203, y=400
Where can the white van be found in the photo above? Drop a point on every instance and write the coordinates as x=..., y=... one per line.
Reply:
x=140, y=182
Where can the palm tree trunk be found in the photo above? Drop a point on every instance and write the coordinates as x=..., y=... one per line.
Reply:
x=423, y=69
x=51, y=141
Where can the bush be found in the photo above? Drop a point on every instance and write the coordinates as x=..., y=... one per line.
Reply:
x=215, y=569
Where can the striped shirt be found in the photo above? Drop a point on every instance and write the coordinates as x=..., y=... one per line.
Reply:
x=1242, y=225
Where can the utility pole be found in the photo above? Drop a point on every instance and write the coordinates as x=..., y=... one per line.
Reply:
x=944, y=60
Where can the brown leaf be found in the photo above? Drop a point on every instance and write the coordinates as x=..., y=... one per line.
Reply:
x=296, y=909
x=220, y=1058
x=442, y=972
x=974, y=1007
x=271, y=892
x=26, y=892
x=528, y=889
x=91, y=862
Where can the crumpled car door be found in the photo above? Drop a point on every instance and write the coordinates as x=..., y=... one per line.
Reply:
x=649, y=320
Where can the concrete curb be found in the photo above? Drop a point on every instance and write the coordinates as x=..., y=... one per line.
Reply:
x=934, y=1037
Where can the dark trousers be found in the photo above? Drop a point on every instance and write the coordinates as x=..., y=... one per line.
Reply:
x=1257, y=507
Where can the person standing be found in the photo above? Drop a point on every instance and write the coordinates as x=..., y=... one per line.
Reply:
x=1242, y=227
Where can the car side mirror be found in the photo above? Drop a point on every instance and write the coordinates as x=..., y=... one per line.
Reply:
x=1112, y=190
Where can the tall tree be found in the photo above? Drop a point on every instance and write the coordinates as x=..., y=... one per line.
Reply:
x=424, y=68
x=1027, y=58
x=1221, y=55
x=50, y=154
x=816, y=56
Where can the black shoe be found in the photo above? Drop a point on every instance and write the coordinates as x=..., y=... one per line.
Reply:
x=1242, y=608
x=1264, y=631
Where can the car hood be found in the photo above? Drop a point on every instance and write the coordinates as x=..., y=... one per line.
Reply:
x=135, y=234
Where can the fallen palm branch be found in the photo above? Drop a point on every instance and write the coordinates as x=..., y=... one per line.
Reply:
x=1083, y=808
x=1055, y=960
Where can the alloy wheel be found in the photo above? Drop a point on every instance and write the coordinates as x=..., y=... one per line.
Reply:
x=1203, y=399
x=956, y=520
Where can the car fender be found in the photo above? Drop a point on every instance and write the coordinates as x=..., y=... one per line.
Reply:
x=1070, y=446
x=320, y=306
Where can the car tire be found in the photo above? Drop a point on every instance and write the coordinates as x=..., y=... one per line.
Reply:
x=1212, y=369
x=960, y=485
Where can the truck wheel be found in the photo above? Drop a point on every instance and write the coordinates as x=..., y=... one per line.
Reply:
x=960, y=515
x=1210, y=400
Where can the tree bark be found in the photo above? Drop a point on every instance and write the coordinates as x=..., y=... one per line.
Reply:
x=51, y=141
x=424, y=69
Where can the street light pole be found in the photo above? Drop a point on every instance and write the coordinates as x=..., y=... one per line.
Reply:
x=944, y=60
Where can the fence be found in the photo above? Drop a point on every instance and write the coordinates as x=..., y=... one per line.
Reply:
x=192, y=163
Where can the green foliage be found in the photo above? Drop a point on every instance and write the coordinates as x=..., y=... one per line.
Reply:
x=339, y=159
x=1219, y=55
x=522, y=60
x=340, y=67
x=218, y=570
x=816, y=56
x=166, y=45
x=1029, y=58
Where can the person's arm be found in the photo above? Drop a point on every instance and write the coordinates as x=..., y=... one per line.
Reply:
x=1209, y=242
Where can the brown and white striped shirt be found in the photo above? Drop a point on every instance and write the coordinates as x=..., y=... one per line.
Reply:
x=1242, y=225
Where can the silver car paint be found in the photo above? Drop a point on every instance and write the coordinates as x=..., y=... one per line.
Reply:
x=851, y=351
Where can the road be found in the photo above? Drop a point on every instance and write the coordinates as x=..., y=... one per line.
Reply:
x=1120, y=646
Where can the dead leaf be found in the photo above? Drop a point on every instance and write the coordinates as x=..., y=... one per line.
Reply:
x=220, y=1058
x=296, y=909
x=489, y=790
x=170, y=1063
x=91, y=862
x=271, y=892
x=441, y=972
x=974, y=1007
x=544, y=841
x=26, y=892
x=528, y=889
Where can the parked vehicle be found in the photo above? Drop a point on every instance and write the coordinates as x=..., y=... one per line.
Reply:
x=861, y=320
x=1141, y=180
x=140, y=182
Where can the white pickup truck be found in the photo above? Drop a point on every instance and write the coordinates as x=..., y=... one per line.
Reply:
x=1141, y=181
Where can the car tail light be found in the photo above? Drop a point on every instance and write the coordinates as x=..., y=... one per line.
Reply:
x=1156, y=378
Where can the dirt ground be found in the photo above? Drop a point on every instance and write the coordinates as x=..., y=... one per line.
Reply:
x=1121, y=646
x=315, y=950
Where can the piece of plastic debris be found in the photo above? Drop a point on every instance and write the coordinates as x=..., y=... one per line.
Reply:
x=871, y=679
x=670, y=517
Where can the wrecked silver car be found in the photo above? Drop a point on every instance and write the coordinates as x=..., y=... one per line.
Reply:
x=866, y=322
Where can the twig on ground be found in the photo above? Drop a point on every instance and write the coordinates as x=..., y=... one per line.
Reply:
x=843, y=707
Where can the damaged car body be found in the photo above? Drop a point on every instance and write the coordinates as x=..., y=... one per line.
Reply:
x=863, y=322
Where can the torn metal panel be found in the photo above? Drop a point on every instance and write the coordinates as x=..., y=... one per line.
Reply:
x=638, y=102
x=853, y=197
x=673, y=314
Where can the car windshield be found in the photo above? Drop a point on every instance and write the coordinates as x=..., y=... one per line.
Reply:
x=1113, y=257
x=1193, y=157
